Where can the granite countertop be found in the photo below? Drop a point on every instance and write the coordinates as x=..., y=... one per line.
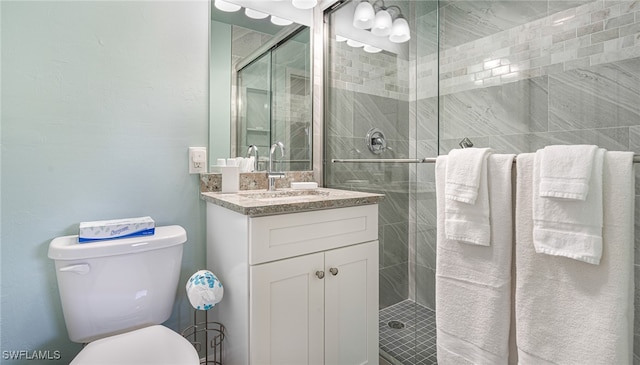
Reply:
x=281, y=201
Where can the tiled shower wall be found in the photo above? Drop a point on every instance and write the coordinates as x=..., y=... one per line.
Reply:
x=511, y=75
x=595, y=33
x=519, y=75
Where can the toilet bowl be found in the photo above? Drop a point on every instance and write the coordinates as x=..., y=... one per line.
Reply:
x=116, y=293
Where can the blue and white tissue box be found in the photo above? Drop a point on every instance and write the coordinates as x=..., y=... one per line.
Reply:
x=204, y=290
x=116, y=228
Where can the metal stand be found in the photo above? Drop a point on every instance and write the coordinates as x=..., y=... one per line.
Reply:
x=207, y=338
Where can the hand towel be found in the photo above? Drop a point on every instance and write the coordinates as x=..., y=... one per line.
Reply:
x=566, y=170
x=468, y=222
x=473, y=283
x=570, y=228
x=464, y=172
x=567, y=311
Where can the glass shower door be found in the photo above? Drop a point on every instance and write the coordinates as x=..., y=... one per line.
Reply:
x=425, y=137
x=372, y=94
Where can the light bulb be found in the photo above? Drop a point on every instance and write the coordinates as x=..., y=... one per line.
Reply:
x=340, y=38
x=226, y=6
x=279, y=21
x=363, y=16
x=304, y=4
x=400, y=31
x=254, y=14
x=382, y=24
x=371, y=49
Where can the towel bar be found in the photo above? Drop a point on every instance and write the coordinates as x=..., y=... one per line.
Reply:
x=636, y=159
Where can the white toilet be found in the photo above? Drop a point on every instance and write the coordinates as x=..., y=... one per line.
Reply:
x=115, y=294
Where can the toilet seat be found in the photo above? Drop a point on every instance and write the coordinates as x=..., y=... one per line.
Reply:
x=156, y=345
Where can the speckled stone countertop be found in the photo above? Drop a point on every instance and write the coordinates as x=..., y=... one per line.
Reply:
x=282, y=201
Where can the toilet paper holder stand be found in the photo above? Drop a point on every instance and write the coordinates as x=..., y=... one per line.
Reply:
x=207, y=337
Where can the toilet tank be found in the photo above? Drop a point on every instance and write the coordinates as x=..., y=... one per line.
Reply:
x=111, y=287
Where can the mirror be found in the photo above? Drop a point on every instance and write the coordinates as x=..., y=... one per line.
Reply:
x=260, y=87
x=274, y=103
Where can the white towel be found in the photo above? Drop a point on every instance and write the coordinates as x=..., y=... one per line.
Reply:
x=464, y=172
x=467, y=222
x=567, y=311
x=570, y=228
x=566, y=170
x=473, y=283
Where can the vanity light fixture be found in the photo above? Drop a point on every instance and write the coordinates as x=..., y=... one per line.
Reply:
x=340, y=38
x=304, y=4
x=382, y=23
x=280, y=21
x=364, y=15
x=226, y=6
x=254, y=14
x=400, y=32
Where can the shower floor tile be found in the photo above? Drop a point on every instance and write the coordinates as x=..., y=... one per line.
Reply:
x=415, y=344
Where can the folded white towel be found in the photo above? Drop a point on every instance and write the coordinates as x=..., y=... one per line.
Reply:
x=565, y=171
x=569, y=312
x=469, y=223
x=464, y=171
x=570, y=228
x=462, y=221
x=473, y=283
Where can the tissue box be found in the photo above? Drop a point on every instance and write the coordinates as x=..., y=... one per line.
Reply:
x=116, y=228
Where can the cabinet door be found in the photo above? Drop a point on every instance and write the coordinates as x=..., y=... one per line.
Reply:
x=287, y=312
x=351, y=305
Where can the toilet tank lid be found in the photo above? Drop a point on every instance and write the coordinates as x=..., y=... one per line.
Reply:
x=68, y=248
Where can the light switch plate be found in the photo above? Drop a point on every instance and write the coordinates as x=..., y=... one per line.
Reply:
x=197, y=160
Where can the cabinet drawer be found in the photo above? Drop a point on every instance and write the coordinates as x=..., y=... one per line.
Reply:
x=280, y=236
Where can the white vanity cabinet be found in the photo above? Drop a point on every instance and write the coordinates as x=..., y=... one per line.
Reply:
x=299, y=288
x=301, y=313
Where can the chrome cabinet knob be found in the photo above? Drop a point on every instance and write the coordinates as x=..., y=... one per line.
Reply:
x=333, y=271
x=320, y=274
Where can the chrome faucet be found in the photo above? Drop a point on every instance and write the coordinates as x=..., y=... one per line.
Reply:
x=271, y=174
x=253, y=149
